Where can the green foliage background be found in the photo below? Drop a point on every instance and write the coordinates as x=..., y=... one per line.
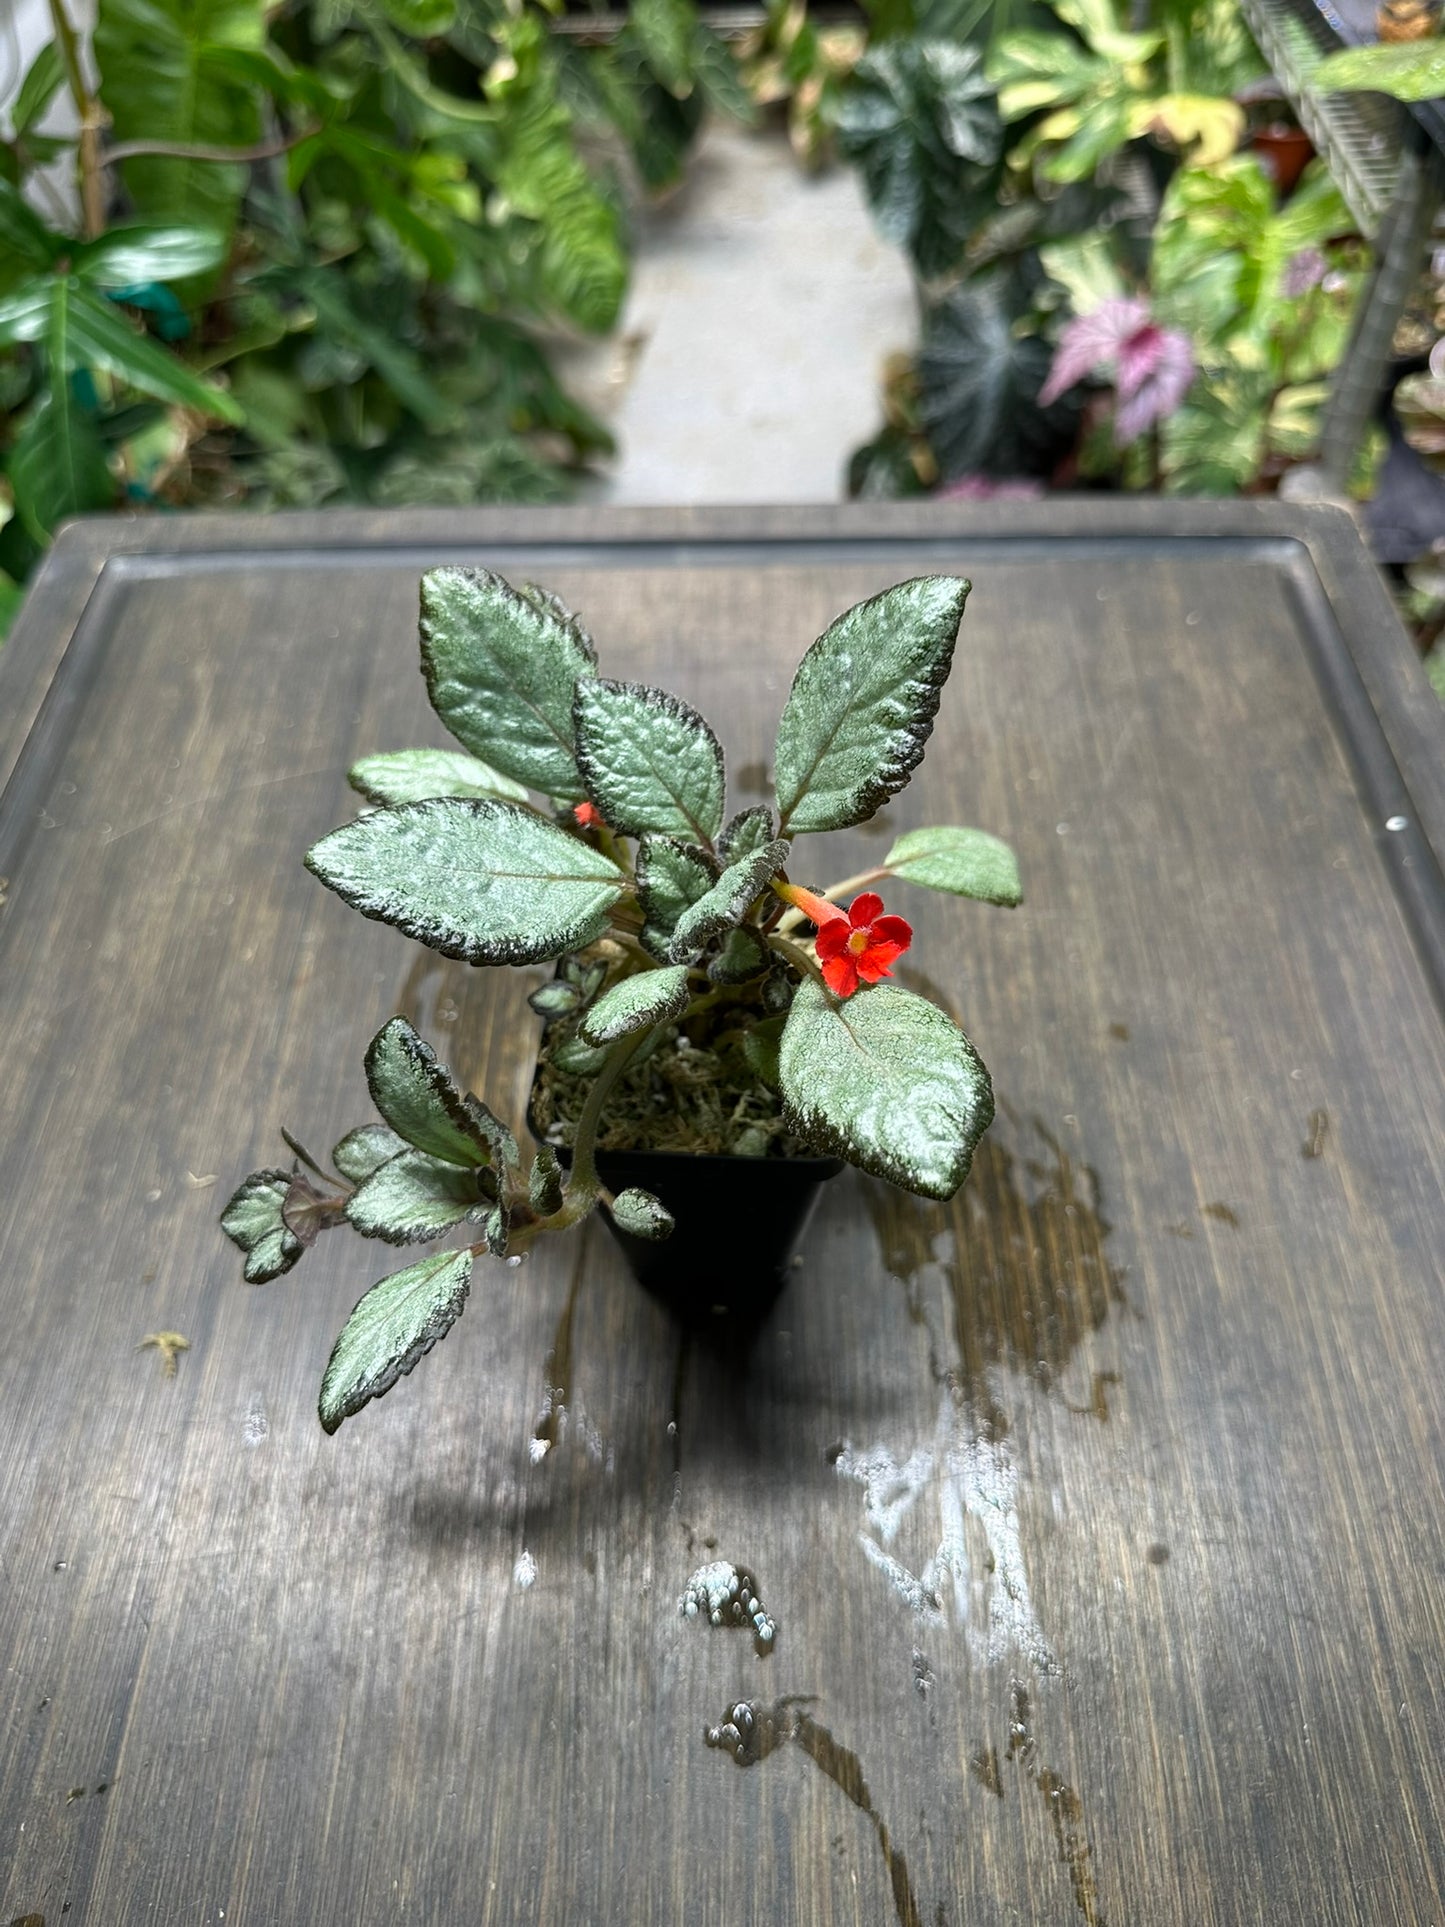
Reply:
x=326, y=243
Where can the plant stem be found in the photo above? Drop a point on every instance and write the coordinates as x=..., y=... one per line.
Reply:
x=180, y=151
x=92, y=200
x=584, y=1183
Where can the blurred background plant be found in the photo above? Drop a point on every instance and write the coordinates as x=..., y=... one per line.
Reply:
x=316, y=249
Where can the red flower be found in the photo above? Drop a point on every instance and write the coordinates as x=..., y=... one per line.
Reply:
x=587, y=816
x=861, y=945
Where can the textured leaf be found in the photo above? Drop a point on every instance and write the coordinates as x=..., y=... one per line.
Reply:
x=650, y=762
x=481, y=880
x=501, y=672
x=887, y=1081
x=966, y=863
x=671, y=876
x=555, y=1000
x=761, y=1046
x=307, y=1212
x=552, y=604
x=413, y=775
x=394, y=1325
x=642, y=1215
x=148, y=252
x=649, y=997
x=544, y=1183
x=411, y=1198
x=253, y=1221
x=420, y=1102
x=749, y=830
x=360, y=1152
x=579, y=1059
x=726, y=903
x=862, y=704
x=742, y=956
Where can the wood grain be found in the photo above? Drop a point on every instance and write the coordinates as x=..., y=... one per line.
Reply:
x=1101, y=1513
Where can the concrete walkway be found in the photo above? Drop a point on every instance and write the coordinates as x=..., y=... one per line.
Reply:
x=748, y=362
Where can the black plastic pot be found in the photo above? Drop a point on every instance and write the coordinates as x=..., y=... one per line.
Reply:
x=738, y=1222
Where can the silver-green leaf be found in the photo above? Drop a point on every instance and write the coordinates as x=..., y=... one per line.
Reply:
x=887, y=1081
x=393, y=1326
x=418, y=1099
x=726, y=903
x=966, y=863
x=480, y=880
x=362, y=1151
x=648, y=997
x=670, y=877
x=412, y=775
x=749, y=830
x=741, y=956
x=862, y=704
x=501, y=669
x=651, y=763
x=411, y=1198
x=253, y=1220
x=642, y=1214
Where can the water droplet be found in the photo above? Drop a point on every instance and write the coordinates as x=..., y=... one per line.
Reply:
x=525, y=1571
x=67, y=789
x=1192, y=617
x=514, y=1260
x=1397, y=823
x=1062, y=828
x=47, y=821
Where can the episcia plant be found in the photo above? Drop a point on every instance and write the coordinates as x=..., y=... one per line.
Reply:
x=703, y=998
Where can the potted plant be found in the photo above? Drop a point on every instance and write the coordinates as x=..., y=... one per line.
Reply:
x=704, y=1000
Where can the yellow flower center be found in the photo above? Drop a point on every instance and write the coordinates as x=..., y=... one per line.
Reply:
x=858, y=942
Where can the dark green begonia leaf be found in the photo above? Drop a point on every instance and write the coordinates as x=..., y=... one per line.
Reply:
x=651, y=763
x=418, y=1099
x=485, y=881
x=495, y=1229
x=253, y=1220
x=642, y=1214
x=412, y=775
x=360, y=1152
x=648, y=997
x=411, y=1198
x=501, y=669
x=749, y=830
x=887, y=1081
x=862, y=704
x=726, y=903
x=965, y=863
x=393, y=1326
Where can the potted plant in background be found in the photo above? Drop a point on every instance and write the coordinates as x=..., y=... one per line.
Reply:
x=705, y=1001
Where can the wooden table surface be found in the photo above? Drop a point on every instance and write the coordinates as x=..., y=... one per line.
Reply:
x=1101, y=1513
